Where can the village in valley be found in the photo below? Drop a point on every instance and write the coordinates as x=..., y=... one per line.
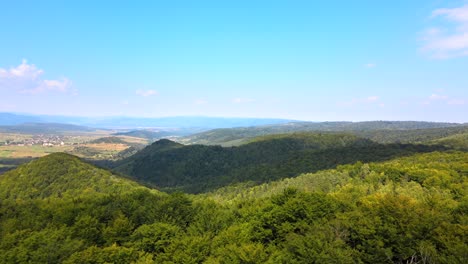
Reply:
x=39, y=140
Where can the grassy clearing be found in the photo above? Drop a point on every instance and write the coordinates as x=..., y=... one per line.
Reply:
x=30, y=151
x=134, y=140
x=106, y=146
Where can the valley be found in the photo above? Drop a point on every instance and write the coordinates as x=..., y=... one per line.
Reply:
x=16, y=148
x=296, y=197
x=234, y=132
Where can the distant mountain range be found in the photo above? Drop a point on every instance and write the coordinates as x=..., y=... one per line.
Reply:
x=137, y=122
x=374, y=203
x=380, y=131
x=44, y=128
x=151, y=135
x=229, y=131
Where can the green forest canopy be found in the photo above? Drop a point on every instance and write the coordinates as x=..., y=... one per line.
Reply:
x=200, y=168
x=406, y=209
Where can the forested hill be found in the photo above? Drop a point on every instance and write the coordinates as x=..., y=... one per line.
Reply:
x=59, y=175
x=411, y=209
x=59, y=209
x=426, y=169
x=379, y=131
x=199, y=168
x=155, y=135
x=109, y=140
x=146, y=134
x=405, y=210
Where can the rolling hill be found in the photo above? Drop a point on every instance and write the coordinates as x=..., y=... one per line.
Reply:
x=108, y=140
x=379, y=131
x=59, y=175
x=199, y=168
x=418, y=168
x=456, y=141
x=58, y=209
x=152, y=135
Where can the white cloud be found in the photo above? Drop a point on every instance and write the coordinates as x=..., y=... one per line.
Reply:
x=452, y=39
x=7, y=107
x=443, y=99
x=370, y=65
x=200, y=102
x=438, y=97
x=242, y=100
x=372, y=98
x=367, y=100
x=454, y=14
x=146, y=93
x=26, y=78
x=50, y=85
x=456, y=102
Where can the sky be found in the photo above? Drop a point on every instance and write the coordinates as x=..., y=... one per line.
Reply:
x=306, y=60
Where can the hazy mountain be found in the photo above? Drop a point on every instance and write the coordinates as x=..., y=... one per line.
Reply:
x=184, y=122
x=8, y=119
x=44, y=128
x=195, y=123
x=153, y=135
x=380, y=131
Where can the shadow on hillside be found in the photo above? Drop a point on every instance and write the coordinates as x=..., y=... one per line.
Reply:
x=212, y=167
x=7, y=164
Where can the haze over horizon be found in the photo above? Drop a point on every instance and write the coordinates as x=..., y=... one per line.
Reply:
x=330, y=61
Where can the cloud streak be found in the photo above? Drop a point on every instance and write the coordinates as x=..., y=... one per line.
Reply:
x=27, y=79
x=145, y=93
x=200, y=102
x=438, y=98
x=242, y=100
x=373, y=99
x=450, y=40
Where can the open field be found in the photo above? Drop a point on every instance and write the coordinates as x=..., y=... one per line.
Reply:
x=18, y=148
x=30, y=151
x=135, y=140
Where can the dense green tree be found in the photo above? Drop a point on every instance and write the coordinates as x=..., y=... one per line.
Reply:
x=411, y=209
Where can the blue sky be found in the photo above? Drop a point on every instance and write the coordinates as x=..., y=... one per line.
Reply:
x=308, y=60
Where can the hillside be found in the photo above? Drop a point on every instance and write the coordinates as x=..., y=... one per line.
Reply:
x=414, y=135
x=56, y=209
x=408, y=209
x=199, y=168
x=422, y=168
x=151, y=136
x=379, y=131
x=59, y=175
x=109, y=140
x=146, y=134
x=457, y=141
